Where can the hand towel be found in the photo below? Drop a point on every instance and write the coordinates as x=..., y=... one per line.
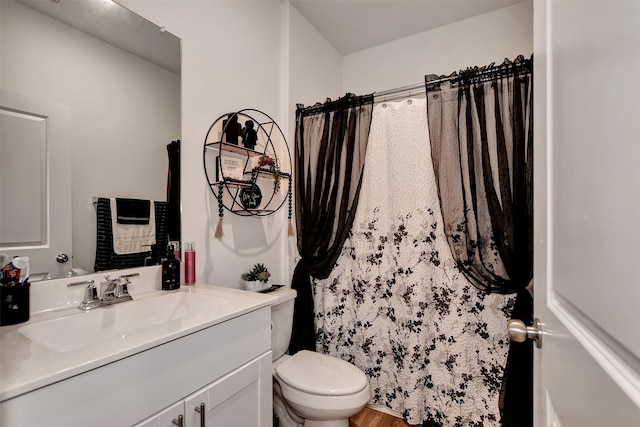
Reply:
x=133, y=211
x=132, y=238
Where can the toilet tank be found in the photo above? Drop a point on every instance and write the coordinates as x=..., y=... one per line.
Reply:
x=281, y=320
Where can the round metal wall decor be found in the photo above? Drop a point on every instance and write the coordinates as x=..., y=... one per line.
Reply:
x=247, y=163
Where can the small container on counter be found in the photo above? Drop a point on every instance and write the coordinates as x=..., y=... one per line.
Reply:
x=14, y=304
x=170, y=271
x=189, y=263
x=14, y=291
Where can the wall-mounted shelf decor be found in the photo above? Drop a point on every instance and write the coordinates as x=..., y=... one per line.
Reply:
x=247, y=163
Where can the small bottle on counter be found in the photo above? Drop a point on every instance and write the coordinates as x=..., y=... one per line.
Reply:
x=189, y=263
x=170, y=271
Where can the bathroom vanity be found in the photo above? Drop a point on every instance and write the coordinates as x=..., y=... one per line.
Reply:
x=196, y=356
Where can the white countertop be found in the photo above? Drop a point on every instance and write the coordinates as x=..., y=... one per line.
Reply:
x=26, y=365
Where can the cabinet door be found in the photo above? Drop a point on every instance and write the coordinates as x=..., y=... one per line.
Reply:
x=166, y=418
x=236, y=400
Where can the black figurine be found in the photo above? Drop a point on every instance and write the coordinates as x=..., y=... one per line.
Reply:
x=232, y=129
x=249, y=135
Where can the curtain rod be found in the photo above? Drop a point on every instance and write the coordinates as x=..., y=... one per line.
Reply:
x=478, y=74
x=350, y=100
x=408, y=88
x=520, y=64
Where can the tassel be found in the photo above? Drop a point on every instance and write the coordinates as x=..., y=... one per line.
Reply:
x=290, y=228
x=219, y=233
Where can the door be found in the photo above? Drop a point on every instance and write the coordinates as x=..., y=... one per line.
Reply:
x=587, y=209
x=35, y=182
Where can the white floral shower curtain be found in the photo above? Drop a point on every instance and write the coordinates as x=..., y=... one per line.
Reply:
x=432, y=345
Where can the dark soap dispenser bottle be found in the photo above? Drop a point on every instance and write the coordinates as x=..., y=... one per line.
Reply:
x=170, y=271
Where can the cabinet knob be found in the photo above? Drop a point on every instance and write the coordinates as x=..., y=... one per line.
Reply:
x=178, y=421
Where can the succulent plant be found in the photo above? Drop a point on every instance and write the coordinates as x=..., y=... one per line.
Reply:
x=258, y=272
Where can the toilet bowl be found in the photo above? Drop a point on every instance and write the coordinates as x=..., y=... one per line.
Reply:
x=311, y=389
x=321, y=389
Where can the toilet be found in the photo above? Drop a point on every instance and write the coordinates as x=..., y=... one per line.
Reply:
x=311, y=389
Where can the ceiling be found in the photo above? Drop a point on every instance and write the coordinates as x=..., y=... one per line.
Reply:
x=349, y=25
x=354, y=25
x=114, y=24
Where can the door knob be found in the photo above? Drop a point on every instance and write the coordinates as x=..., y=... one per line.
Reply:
x=519, y=332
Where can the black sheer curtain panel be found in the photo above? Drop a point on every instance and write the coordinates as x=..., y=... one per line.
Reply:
x=331, y=142
x=173, y=190
x=481, y=132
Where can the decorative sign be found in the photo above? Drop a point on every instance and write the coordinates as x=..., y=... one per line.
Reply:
x=231, y=167
x=250, y=197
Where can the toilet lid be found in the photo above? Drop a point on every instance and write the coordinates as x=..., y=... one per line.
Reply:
x=321, y=374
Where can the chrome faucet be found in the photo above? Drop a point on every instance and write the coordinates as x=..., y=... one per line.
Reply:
x=108, y=288
x=112, y=291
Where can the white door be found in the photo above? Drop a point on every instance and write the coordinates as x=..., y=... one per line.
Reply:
x=587, y=212
x=35, y=182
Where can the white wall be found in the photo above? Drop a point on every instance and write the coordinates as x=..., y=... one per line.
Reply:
x=112, y=131
x=231, y=59
x=315, y=70
x=264, y=54
x=491, y=37
x=314, y=74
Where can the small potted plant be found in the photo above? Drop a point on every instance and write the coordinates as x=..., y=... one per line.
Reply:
x=256, y=279
x=268, y=163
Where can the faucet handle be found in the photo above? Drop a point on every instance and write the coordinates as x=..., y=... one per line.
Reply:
x=90, y=299
x=82, y=282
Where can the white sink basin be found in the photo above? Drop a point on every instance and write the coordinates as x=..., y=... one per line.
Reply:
x=118, y=321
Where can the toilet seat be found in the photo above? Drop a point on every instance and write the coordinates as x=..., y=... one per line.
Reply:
x=321, y=374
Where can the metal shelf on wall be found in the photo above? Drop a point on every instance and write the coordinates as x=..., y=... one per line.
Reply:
x=249, y=212
x=225, y=146
x=228, y=183
x=267, y=173
x=270, y=142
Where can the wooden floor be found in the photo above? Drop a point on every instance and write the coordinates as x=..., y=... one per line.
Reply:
x=371, y=418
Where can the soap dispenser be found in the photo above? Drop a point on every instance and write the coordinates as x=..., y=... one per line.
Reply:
x=170, y=271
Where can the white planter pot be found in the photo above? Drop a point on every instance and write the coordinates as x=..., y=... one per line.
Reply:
x=256, y=285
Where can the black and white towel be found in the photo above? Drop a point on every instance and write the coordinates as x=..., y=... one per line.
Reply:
x=106, y=256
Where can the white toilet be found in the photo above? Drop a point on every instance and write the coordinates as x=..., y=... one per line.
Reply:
x=311, y=389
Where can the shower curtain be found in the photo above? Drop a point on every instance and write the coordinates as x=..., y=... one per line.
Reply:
x=481, y=134
x=432, y=345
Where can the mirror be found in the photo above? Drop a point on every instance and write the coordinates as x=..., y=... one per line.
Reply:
x=112, y=80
